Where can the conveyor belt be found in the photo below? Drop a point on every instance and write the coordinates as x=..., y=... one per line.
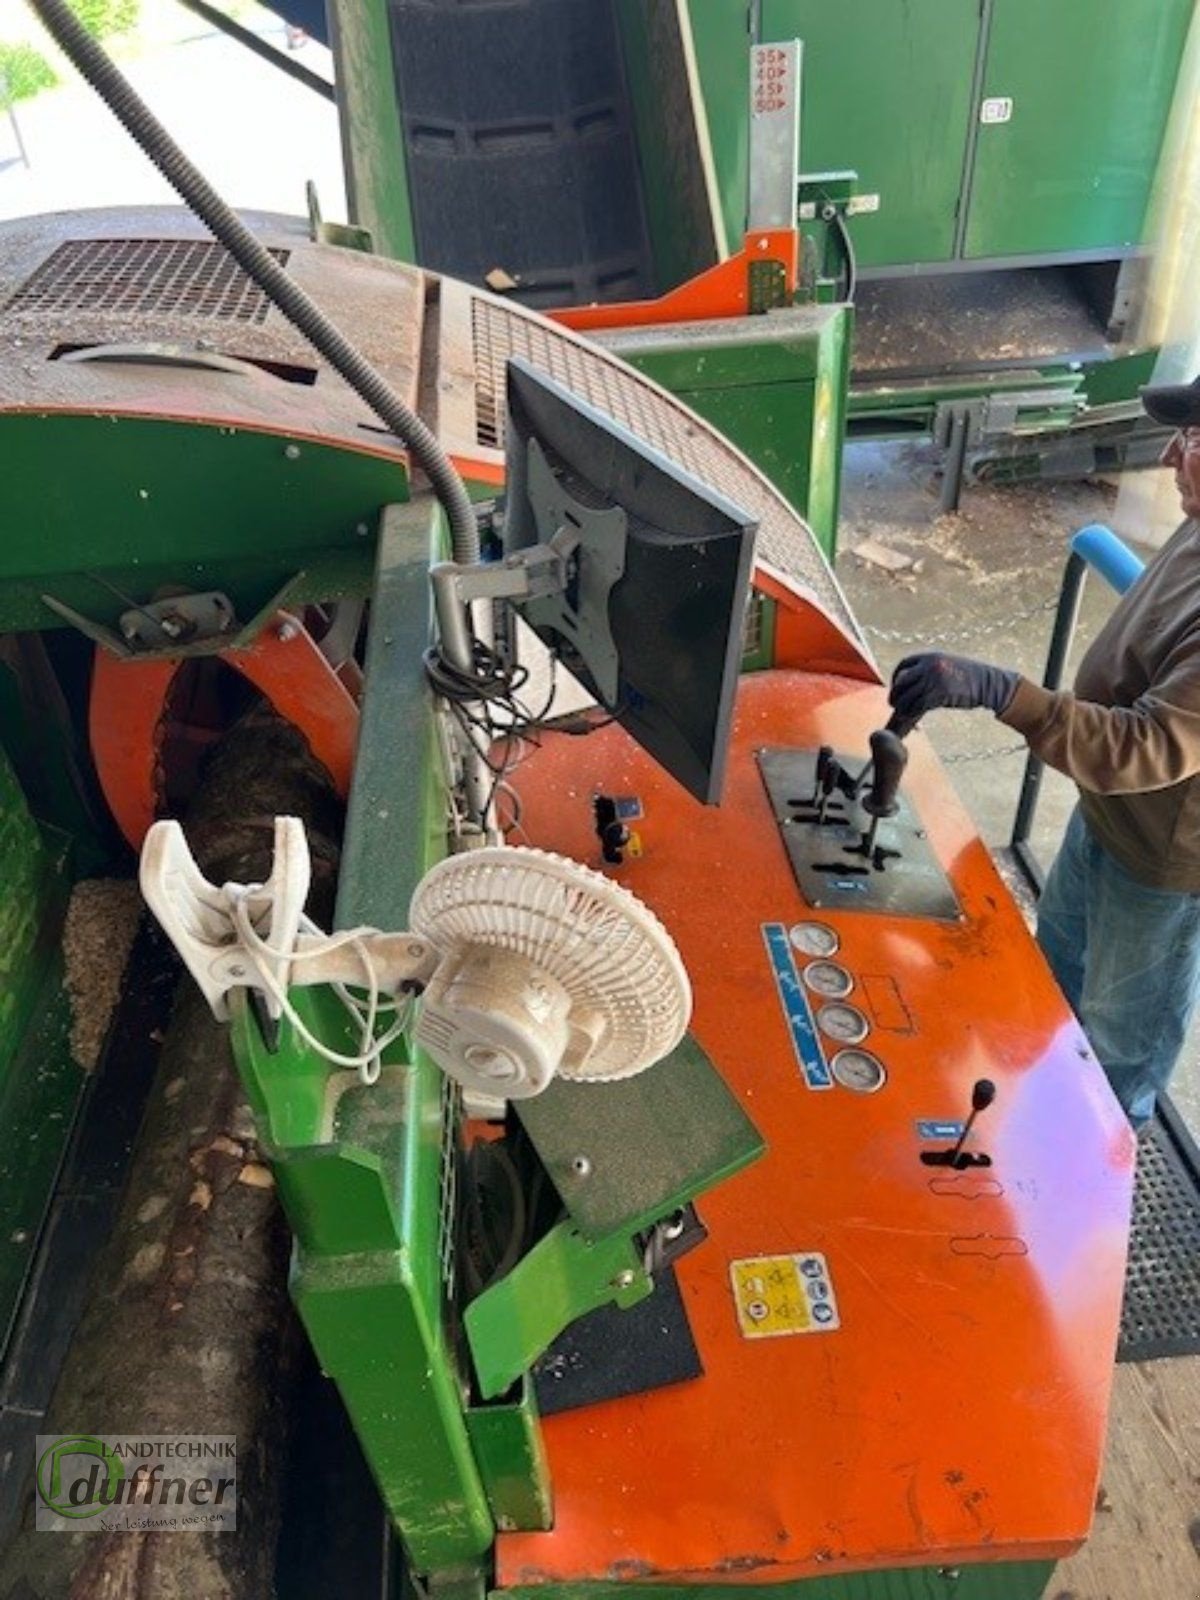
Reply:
x=528, y=166
x=936, y=325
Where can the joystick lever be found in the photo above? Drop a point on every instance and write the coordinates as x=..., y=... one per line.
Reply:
x=899, y=725
x=889, y=757
x=888, y=761
x=982, y=1095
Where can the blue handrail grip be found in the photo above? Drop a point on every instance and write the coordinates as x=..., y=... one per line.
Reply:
x=1112, y=558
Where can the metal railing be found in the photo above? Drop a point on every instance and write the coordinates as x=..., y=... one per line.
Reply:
x=1093, y=548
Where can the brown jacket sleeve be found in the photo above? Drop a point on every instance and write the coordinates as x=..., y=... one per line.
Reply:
x=1150, y=744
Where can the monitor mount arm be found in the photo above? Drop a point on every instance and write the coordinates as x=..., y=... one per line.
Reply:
x=457, y=586
x=562, y=583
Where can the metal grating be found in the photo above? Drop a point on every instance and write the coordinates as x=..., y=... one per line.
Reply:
x=784, y=539
x=752, y=631
x=145, y=277
x=1161, y=1313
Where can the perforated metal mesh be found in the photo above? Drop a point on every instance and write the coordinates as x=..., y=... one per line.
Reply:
x=1161, y=1314
x=145, y=277
x=784, y=539
x=752, y=633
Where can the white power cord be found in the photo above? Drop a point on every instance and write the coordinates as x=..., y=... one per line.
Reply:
x=260, y=954
x=528, y=965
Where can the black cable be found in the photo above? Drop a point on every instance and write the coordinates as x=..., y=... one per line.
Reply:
x=848, y=252
x=257, y=262
x=483, y=700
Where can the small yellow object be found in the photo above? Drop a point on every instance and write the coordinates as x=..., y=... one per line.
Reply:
x=775, y=1295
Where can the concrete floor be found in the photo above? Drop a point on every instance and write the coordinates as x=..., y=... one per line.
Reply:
x=982, y=582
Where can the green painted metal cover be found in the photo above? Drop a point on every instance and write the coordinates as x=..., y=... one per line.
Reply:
x=887, y=94
x=624, y=1154
x=1004, y=1581
x=1084, y=90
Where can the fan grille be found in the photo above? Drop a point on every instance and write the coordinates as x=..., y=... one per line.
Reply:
x=608, y=950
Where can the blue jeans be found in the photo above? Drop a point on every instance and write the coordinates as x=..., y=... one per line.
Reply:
x=1127, y=958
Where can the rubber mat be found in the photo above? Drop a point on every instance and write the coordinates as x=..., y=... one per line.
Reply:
x=1161, y=1314
x=611, y=1353
x=529, y=166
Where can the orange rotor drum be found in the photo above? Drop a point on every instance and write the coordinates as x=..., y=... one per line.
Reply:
x=129, y=699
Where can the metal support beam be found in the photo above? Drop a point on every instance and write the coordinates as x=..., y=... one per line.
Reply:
x=259, y=47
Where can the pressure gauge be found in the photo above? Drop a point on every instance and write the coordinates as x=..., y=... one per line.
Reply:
x=844, y=1023
x=815, y=939
x=828, y=979
x=858, y=1070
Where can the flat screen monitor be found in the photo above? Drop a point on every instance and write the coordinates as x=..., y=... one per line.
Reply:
x=658, y=565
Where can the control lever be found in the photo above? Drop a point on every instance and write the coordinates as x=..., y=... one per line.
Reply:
x=899, y=725
x=982, y=1096
x=826, y=780
x=889, y=757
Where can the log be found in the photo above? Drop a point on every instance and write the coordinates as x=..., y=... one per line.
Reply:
x=188, y=1328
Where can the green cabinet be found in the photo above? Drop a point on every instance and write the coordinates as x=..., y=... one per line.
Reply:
x=1084, y=88
x=887, y=93
x=985, y=128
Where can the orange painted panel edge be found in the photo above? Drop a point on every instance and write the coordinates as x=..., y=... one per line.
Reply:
x=721, y=291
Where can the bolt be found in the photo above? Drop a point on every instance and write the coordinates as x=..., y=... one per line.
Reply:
x=129, y=627
x=292, y=452
x=581, y=1166
x=173, y=627
x=951, y=1574
x=237, y=972
x=289, y=630
x=623, y=1280
x=361, y=529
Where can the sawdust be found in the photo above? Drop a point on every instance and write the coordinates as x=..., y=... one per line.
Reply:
x=101, y=922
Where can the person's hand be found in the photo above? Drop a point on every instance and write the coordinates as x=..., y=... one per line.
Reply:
x=924, y=682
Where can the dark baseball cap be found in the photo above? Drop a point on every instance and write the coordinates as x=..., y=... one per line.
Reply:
x=1176, y=405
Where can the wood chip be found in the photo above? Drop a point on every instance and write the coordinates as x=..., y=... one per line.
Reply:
x=256, y=1176
x=101, y=922
x=499, y=281
x=882, y=555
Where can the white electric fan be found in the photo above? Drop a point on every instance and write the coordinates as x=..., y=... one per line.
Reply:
x=527, y=965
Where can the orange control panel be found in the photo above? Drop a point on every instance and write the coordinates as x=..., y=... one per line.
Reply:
x=906, y=1361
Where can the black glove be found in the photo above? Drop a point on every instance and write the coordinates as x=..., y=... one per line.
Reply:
x=924, y=682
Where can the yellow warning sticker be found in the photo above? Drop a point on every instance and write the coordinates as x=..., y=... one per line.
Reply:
x=775, y=1295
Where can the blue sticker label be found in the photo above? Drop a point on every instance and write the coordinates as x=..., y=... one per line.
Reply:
x=940, y=1130
x=629, y=807
x=795, y=1007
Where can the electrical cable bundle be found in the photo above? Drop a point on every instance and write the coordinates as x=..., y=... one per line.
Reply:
x=486, y=701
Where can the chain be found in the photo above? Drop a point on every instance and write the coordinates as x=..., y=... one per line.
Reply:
x=965, y=635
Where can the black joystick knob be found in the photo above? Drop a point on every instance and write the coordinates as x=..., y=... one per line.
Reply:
x=889, y=757
x=900, y=726
x=982, y=1096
